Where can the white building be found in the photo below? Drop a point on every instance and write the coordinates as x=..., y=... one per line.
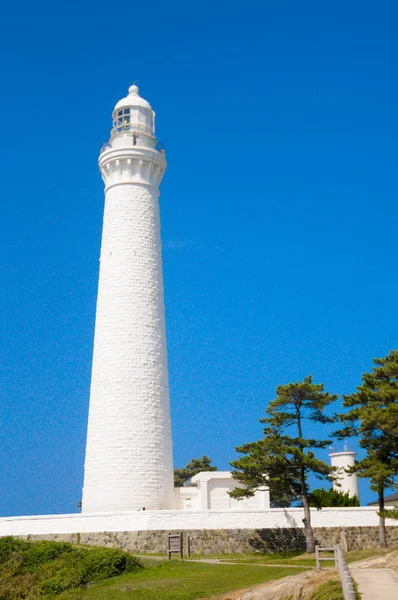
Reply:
x=128, y=462
x=209, y=490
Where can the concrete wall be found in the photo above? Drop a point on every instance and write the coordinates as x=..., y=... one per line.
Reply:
x=211, y=532
x=168, y=520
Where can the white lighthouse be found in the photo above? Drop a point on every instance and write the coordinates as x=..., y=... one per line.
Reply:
x=346, y=482
x=128, y=462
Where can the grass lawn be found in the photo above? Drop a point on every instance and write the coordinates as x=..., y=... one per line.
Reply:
x=38, y=569
x=175, y=580
x=294, y=558
x=355, y=555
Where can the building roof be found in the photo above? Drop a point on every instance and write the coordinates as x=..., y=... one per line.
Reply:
x=391, y=498
x=133, y=100
x=207, y=475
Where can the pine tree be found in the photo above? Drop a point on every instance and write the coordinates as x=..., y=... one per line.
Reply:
x=321, y=498
x=374, y=417
x=284, y=458
x=391, y=513
x=195, y=466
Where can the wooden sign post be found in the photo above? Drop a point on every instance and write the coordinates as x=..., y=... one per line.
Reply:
x=175, y=544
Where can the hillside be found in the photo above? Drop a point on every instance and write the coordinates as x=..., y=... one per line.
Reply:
x=33, y=570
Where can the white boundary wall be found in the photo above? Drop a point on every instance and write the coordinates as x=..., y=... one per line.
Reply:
x=188, y=519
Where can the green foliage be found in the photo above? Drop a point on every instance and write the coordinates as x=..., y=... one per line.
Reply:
x=102, y=563
x=40, y=553
x=321, y=498
x=195, y=466
x=380, y=393
x=373, y=416
x=284, y=458
x=10, y=545
x=390, y=513
x=330, y=590
x=62, y=575
x=43, y=568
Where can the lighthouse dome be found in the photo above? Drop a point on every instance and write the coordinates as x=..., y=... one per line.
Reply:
x=133, y=99
x=133, y=114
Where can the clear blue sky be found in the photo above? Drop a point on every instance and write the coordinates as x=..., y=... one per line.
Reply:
x=279, y=213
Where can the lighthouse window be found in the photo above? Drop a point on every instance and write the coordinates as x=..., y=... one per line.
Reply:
x=122, y=121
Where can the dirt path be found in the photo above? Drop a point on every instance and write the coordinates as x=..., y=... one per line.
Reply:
x=238, y=594
x=292, y=586
x=217, y=561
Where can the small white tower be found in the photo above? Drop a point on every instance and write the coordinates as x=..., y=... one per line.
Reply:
x=128, y=462
x=348, y=482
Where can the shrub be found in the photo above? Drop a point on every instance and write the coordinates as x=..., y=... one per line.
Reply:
x=102, y=563
x=32, y=569
x=40, y=553
x=10, y=545
x=63, y=577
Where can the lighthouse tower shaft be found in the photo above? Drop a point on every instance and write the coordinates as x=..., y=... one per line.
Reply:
x=128, y=462
x=345, y=482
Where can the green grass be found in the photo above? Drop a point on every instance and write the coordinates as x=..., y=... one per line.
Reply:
x=264, y=560
x=40, y=570
x=179, y=580
x=355, y=555
x=54, y=570
x=35, y=569
x=294, y=558
x=330, y=590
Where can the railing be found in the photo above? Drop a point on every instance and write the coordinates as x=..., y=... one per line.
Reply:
x=155, y=143
x=104, y=147
x=159, y=147
x=341, y=564
x=318, y=558
x=345, y=575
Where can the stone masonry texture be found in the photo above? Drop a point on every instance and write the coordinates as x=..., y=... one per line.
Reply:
x=224, y=541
